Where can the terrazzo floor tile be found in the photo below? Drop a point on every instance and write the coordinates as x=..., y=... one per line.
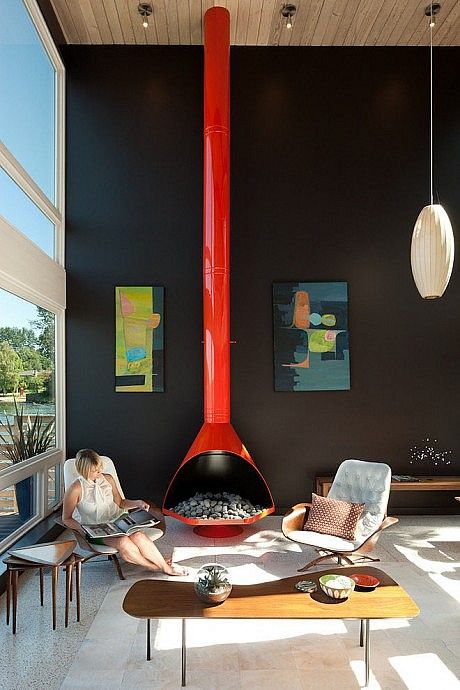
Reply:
x=271, y=679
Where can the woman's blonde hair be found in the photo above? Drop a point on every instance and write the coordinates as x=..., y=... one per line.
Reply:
x=87, y=460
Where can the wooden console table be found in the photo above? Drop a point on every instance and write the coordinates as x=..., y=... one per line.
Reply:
x=323, y=484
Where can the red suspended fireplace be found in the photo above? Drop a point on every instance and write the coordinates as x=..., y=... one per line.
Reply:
x=217, y=461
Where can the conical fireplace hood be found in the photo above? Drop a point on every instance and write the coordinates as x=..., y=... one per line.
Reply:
x=217, y=454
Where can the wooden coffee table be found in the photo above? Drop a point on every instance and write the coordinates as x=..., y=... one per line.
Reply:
x=277, y=599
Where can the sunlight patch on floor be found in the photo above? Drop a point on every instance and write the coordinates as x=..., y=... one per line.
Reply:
x=358, y=669
x=449, y=586
x=424, y=672
x=425, y=564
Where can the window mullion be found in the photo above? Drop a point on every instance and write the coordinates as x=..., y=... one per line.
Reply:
x=27, y=184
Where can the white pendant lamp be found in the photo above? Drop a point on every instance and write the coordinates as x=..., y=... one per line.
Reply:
x=433, y=247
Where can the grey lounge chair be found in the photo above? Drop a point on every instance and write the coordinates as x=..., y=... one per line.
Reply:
x=356, y=481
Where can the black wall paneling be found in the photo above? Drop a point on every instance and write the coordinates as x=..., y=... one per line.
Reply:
x=330, y=166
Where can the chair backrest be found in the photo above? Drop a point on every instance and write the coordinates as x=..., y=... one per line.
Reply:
x=71, y=474
x=359, y=481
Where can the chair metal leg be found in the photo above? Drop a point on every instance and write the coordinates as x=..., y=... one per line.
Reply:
x=117, y=566
x=149, y=656
x=323, y=558
x=184, y=656
x=314, y=562
x=347, y=560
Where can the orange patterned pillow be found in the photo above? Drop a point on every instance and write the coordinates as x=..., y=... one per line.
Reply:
x=337, y=518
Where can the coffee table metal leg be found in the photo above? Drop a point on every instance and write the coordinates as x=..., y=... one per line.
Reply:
x=149, y=656
x=184, y=656
x=367, y=650
x=361, y=633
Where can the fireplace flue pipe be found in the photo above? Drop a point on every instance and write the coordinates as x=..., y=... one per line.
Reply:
x=216, y=217
x=217, y=434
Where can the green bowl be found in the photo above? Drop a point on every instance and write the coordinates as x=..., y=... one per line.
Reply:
x=336, y=586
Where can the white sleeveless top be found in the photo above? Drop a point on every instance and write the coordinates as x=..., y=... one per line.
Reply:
x=96, y=503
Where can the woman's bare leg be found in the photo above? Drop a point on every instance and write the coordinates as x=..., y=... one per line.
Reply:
x=130, y=552
x=150, y=551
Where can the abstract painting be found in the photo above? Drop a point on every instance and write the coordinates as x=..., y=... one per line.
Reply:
x=139, y=339
x=311, y=350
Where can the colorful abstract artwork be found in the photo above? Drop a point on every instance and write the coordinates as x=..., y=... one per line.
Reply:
x=139, y=339
x=311, y=350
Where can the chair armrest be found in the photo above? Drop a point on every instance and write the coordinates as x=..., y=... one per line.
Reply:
x=388, y=521
x=294, y=519
x=368, y=545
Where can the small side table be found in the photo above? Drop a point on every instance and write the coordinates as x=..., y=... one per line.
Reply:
x=16, y=565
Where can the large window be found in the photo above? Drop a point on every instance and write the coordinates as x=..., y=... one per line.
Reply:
x=32, y=277
x=27, y=95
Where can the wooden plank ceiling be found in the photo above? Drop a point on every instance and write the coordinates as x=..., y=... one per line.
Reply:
x=259, y=22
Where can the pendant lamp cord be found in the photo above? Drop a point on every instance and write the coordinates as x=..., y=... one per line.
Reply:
x=431, y=104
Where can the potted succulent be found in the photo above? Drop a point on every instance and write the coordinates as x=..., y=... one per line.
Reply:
x=212, y=584
x=30, y=438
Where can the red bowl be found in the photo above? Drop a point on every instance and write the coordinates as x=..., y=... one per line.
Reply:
x=366, y=581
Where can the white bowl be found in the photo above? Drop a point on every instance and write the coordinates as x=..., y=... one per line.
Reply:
x=336, y=586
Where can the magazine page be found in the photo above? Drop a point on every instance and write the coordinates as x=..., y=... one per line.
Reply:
x=139, y=517
x=101, y=530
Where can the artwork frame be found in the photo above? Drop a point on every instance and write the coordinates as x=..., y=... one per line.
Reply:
x=311, y=350
x=139, y=339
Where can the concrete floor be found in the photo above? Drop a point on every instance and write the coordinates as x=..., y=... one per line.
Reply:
x=107, y=649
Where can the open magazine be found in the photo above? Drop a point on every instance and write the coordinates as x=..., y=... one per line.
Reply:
x=126, y=524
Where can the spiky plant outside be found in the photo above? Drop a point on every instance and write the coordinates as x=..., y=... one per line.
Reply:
x=30, y=439
x=214, y=579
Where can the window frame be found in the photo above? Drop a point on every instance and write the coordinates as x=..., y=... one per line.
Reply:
x=29, y=273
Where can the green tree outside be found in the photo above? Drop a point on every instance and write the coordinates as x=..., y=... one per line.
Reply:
x=18, y=337
x=10, y=368
x=44, y=324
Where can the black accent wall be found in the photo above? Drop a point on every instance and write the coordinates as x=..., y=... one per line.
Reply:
x=330, y=165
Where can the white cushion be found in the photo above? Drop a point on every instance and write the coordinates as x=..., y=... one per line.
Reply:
x=71, y=474
x=323, y=541
x=359, y=481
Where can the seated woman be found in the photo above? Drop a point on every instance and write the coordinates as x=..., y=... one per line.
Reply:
x=97, y=499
